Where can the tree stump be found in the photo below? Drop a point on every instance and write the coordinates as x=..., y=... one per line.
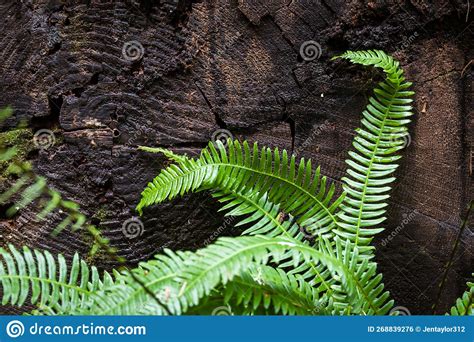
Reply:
x=107, y=76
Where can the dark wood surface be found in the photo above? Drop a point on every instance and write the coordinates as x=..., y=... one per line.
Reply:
x=237, y=65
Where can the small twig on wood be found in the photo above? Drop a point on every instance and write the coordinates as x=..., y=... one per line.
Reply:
x=465, y=68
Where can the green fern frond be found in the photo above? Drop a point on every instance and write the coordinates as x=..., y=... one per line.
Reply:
x=219, y=263
x=264, y=290
x=361, y=273
x=381, y=136
x=465, y=304
x=30, y=188
x=46, y=282
x=292, y=185
x=168, y=153
x=185, y=278
x=265, y=218
x=158, y=279
x=7, y=154
x=261, y=213
x=280, y=201
x=275, y=291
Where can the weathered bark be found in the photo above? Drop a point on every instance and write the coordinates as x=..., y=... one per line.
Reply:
x=236, y=65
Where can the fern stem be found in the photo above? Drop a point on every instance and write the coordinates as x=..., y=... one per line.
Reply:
x=367, y=177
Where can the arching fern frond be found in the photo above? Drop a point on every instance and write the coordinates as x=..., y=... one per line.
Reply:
x=264, y=290
x=265, y=218
x=158, y=279
x=276, y=268
x=168, y=153
x=228, y=257
x=382, y=134
x=46, y=282
x=465, y=304
x=275, y=292
x=292, y=185
x=183, y=279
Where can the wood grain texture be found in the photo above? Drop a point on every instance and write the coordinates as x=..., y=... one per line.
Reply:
x=236, y=65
